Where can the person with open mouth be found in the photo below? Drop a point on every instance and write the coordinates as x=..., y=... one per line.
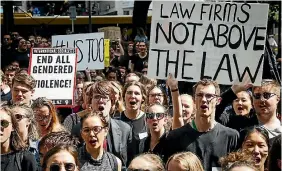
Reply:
x=205, y=137
x=92, y=156
x=243, y=104
x=156, y=118
x=134, y=95
x=256, y=141
x=101, y=97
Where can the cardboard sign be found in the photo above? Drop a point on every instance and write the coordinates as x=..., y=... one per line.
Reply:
x=112, y=33
x=54, y=71
x=196, y=40
x=90, y=48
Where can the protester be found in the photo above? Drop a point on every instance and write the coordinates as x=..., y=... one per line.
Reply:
x=59, y=157
x=27, y=127
x=188, y=108
x=157, y=95
x=134, y=95
x=80, y=77
x=156, y=119
x=229, y=161
x=6, y=94
x=21, y=54
x=184, y=161
x=119, y=133
x=74, y=118
x=256, y=141
x=53, y=139
x=46, y=116
x=23, y=86
x=78, y=94
x=197, y=136
x=241, y=165
x=266, y=98
x=140, y=60
x=118, y=104
x=132, y=77
x=13, y=154
x=274, y=156
x=10, y=73
x=241, y=112
x=94, y=129
x=146, y=162
x=141, y=36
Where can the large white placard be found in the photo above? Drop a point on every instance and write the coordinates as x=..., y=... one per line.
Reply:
x=90, y=48
x=54, y=71
x=195, y=40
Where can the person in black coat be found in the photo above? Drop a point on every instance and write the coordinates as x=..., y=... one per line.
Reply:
x=120, y=133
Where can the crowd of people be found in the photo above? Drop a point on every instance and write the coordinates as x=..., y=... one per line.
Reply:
x=123, y=120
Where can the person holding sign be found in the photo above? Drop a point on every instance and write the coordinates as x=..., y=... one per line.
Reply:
x=204, y=137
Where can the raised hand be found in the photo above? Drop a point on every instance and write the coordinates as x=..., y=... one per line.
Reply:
x=171, y=82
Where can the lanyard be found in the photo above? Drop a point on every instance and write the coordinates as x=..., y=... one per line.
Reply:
x=194, y=125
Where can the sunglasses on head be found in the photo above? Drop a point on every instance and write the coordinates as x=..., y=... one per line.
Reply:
x=158, y=116
x=5, y=123
x=265, y=95
x=57, y=167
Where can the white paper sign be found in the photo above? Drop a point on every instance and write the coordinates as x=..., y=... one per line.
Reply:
x=195, y=40
x=54, y=71
x=90, y=48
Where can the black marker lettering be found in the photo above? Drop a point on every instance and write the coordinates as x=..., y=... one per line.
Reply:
x=186, y=64
x=203, y=67
x=257, y=37
x=247, y=69
x=228, y=69
x=163, y=16
x=159, y=27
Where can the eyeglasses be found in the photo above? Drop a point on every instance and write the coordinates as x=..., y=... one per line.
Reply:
x=19, y=117
x=156, y=95
x=99, y=96
x=95, y=129
x=67, y=166
x=5, y=123
x=265, y=95
x=42, y=117
x=207, y=96
x=159, y=116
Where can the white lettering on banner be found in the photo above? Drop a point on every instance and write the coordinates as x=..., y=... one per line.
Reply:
x=90, y=48
x=196, y=40
x=54, y=71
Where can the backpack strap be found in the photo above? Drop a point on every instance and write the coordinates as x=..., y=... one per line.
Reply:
x=113, y=161
x=19, y=159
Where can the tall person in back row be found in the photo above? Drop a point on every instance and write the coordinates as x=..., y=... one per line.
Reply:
x=204, y=137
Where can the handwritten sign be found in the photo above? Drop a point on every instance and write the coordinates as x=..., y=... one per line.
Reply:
x=54, y=71
x=90, y=48
x=219, y=41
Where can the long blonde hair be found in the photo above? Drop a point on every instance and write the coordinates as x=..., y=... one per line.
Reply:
x=32, y=129
x=120, y=104
x=188, y=161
